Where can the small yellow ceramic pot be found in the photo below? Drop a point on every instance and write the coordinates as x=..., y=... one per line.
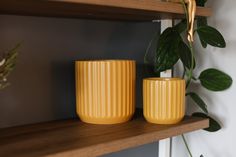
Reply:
x=105, y=91
x=163, y=100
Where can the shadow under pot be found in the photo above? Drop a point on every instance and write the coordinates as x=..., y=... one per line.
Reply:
x=164, y=100
x=105, y=91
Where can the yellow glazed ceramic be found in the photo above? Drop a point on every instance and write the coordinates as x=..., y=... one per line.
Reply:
x=163, y=100
x=105, y=91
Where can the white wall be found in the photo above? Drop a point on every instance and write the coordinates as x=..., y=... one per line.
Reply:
x=220, y=104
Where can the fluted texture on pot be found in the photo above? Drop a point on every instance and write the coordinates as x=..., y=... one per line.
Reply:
x=163, y=100
x=105, y=91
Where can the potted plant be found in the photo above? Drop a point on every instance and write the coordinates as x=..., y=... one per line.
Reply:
x=176, y=43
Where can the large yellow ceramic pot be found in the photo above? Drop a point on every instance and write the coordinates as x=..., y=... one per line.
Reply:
x=163, y=100
x=105, y=91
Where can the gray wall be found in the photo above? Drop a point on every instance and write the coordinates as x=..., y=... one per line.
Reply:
x=42, y=86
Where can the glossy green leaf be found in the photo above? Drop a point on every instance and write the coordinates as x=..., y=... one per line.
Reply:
x=214, y=125
x=165, y=36
x=201, y=2
x=167, y=52
x=215, y=80
x=203, y=43
x=181, y=26
x=198, y=101
x=211, y=36
x=202, y=21
x=185, y=55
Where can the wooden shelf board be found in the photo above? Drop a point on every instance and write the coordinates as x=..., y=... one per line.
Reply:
x=99, y=9
x=74, y=138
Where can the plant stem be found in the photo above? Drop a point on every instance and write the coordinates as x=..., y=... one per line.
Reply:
x=190, y=74
x=186, y=13
x=186, y=145
x=183, y=75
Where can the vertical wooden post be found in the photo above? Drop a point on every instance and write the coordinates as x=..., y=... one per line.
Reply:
x=165, y=145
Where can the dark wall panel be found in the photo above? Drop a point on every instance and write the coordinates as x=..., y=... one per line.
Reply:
x=42, y=86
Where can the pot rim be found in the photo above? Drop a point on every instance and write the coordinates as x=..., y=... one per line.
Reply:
x=157, y=79
x=105, y=60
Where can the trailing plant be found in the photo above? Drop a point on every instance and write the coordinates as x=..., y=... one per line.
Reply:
x=7, y=64
x=174, y=45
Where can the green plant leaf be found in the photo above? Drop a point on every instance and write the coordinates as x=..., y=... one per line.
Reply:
x=152, y=41
x=215, y=80
x=201, y=3
x=214, y=125
x=202, y=21
x=185, y=55
x=211, y=36
x=198, y=101
x=167, y=52
x=203, y=43
x=181, y=26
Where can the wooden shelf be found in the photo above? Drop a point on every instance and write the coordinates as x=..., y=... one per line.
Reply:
x=101, y=9
x=74, y=138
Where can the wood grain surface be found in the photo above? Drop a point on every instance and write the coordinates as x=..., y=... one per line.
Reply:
x=72, y=138
x=99, y=9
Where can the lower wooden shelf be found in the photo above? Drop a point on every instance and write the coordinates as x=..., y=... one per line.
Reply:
x=71, y=138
